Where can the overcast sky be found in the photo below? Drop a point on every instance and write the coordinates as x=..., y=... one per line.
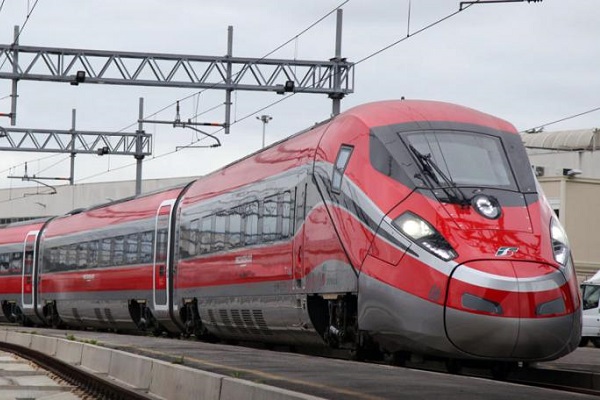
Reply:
x=529, y=63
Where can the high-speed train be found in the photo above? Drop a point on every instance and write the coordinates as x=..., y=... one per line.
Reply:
x=401, y=226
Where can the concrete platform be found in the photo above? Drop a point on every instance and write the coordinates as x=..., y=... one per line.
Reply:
x=20, y=380
x=181, y=369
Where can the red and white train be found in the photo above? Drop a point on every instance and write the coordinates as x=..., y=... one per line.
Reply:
x=404, y=226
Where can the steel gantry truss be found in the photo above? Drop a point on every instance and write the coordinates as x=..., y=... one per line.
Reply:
x=168, y=70
x=334, y=78
x=74, y=142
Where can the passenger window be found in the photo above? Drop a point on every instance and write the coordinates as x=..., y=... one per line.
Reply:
x=269, y=232
x=92, y=254
x=118, y=251
x=146, y=247
x=4, y=263
x=251, y=219
x=220, y=227
x=131, y=249
x=105, y=250
x=16, y=262
x=339, y=168
x=286, y=212
x=235, y=228
x=206, y=235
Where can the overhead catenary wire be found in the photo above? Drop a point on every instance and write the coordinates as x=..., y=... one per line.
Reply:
x=364, y=59
x=536, y=128
x=20, y=29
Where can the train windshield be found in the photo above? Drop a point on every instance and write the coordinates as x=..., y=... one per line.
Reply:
x=450, y=158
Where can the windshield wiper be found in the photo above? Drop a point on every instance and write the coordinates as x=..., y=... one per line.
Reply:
x=455, y=195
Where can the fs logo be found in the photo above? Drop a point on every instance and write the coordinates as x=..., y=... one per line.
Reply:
x=506, y=251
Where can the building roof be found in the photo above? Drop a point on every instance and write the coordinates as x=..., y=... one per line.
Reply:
x=578, y=139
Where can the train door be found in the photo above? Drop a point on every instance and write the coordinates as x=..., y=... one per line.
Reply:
x=298, y=276
x=160, y=270
x=28, y=286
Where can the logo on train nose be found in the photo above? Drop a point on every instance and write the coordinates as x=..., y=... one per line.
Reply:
x=506, y=251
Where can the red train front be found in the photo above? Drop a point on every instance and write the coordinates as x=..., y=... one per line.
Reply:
x=467, y=259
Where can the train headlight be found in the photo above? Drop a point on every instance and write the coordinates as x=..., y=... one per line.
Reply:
x=560, y=243
x=487, y=206
x=425, y=235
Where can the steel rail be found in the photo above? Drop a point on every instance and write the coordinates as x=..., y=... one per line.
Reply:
x=89, y=383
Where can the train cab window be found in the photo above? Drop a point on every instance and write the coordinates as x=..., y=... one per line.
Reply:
x=146, y=239
x=341, y=162
x=269, y=231
x=206, y=234
x=251, y=223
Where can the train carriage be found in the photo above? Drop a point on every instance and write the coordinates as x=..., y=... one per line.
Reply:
x=105, y=267
x=395, y=227
x=17, y=275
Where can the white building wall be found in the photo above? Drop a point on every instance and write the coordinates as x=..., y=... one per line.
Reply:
x=38, y=202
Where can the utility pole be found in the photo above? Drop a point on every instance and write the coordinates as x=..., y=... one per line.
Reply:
x=73, y=136
x=139, y=154
x=13, y=96
x=338, y=94
x=265, y=120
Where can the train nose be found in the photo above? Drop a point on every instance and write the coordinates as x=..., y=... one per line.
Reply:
x=511, y=310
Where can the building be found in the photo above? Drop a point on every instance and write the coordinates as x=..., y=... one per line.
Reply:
x=43, y=201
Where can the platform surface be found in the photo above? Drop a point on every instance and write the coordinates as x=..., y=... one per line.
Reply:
x=325, y=377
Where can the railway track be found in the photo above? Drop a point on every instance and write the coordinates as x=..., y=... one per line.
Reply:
x=90, y=384
x=569, y=381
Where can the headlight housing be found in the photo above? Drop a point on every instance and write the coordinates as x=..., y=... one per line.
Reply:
x=487, y=206
x=425, y=235
x=560, y=243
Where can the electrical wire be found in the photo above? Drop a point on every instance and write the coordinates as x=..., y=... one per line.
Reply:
x=197, y=93
x=431, y=25
x=21, y=30
x=410, y=35
x=535, y=128
x=261, y=58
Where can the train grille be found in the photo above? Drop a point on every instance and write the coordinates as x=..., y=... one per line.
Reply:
x=240, y=322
